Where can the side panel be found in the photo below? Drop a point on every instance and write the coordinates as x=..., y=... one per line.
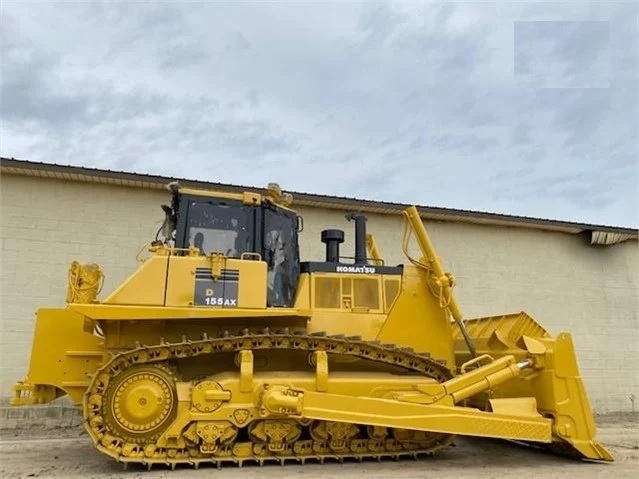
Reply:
x=145, y=286
x=350, y=304
x=252, y=287
x=241, y=284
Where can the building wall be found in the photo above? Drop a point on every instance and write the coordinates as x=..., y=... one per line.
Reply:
x=559, y=279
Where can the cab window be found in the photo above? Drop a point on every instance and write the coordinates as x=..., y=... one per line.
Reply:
x=219, y=227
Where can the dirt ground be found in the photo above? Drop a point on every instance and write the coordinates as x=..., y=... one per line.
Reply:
x=68, y=453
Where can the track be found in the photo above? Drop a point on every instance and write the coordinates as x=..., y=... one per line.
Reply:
x=221, y=442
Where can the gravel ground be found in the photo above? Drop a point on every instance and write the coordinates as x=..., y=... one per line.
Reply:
x=68, y=453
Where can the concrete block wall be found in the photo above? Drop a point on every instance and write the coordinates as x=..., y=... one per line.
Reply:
x=46, y=224
x=559, y=279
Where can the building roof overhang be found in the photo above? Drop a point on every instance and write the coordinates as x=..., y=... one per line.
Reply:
x=599, y=234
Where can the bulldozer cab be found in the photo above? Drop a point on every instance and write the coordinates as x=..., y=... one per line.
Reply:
x=248, y=228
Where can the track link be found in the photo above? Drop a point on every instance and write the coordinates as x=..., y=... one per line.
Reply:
x=394, y=444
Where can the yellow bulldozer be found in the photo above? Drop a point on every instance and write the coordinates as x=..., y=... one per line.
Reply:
x=225, y=347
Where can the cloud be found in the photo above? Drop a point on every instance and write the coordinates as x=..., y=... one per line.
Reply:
x=516, y=108
x=552, y=54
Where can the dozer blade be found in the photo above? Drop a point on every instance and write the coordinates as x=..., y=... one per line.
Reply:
x=557, y=385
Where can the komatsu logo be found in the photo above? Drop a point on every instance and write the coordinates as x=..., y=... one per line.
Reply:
x=355, y=269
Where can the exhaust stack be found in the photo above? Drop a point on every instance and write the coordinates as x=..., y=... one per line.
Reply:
x=360, y=237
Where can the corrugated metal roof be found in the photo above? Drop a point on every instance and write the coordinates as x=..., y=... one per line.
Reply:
x=600, y=234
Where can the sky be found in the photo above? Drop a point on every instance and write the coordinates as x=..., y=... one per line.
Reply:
x=509, y=107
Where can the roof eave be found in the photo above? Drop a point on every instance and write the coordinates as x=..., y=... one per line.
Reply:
x=137, y=180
